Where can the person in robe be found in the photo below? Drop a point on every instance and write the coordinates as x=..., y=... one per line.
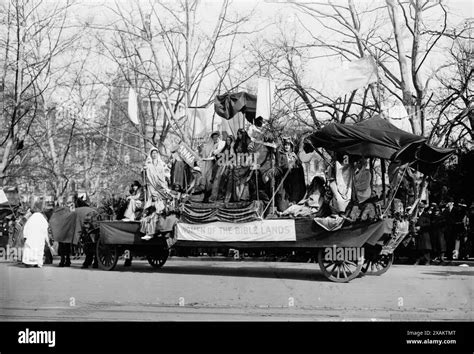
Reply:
x=211, y=166
x=135, y=201
x=262, y=174
x=313, y=204
x=340, y=183
x=223, y=184
x=180, y=171
x=362, y=181
x=241, y=172
x=36, y=235
x=149, y=221
x=157, y=188
x=290, y=171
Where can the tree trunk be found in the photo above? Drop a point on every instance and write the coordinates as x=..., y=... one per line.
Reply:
x=408, y=100
x=57, y=168
x=104, y=155
x=4, y=163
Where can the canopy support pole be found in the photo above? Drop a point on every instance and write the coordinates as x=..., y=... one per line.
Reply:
x=276, y=191
x=382, y=163
x=393, y=193
x=371, y=168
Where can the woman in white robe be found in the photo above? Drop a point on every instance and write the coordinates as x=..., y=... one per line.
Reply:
x=157, y=187
x=35, y=233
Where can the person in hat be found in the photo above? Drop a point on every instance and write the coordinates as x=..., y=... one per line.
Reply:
x=198, y=185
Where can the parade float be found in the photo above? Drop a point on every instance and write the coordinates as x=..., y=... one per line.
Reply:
x=358, y=236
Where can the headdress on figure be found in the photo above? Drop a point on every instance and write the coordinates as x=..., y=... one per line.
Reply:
x=216, y=133
x=287, y=140
x=149, y=159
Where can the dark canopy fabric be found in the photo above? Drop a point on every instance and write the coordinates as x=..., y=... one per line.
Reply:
x=229, y=104
x=426, y=157
x=376, y=137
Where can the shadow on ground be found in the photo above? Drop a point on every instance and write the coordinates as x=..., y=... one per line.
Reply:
x=450, y=272
x=243, y=271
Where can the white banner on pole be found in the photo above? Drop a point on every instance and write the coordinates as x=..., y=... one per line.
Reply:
x=3, y=197
x=266, y=90
x=255, y=231
x=133, y=106
x=355, y=75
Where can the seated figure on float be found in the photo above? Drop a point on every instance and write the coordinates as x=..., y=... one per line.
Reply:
x=150, y=219
x=135, y=202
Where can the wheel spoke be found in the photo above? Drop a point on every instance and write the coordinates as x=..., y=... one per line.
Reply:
x=351, y=269
x=352, y=263
x=333, y=268
x=344, y=271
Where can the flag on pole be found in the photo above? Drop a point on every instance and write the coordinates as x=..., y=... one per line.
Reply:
x=133, y=106
x=266, y=90
x=3, y=197
x=356, y=74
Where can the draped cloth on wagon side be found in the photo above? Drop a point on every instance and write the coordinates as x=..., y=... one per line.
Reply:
x=66, y=225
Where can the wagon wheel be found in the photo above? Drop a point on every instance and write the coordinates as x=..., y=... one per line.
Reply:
x=340, y=271
x=379, y=265
x=107, y=255
x=158, y=259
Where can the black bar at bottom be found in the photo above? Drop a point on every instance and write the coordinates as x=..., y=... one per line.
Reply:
x=219, y=337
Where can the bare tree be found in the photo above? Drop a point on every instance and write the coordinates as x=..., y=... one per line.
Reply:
x=286, y=61
x=161, y=50
x=452, y=111
x=33, y=36
x=396, y=33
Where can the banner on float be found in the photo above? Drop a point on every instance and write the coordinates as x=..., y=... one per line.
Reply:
x=188, y=155
x=255, y=231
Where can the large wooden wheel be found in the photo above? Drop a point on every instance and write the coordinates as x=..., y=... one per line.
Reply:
x=378, y=265
x=340, y=271
x=158, y=259
x=107, y=255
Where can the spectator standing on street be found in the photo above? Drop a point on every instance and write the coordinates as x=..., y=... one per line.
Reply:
x=450, y=236
x=437, y=232
x=423, y=241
